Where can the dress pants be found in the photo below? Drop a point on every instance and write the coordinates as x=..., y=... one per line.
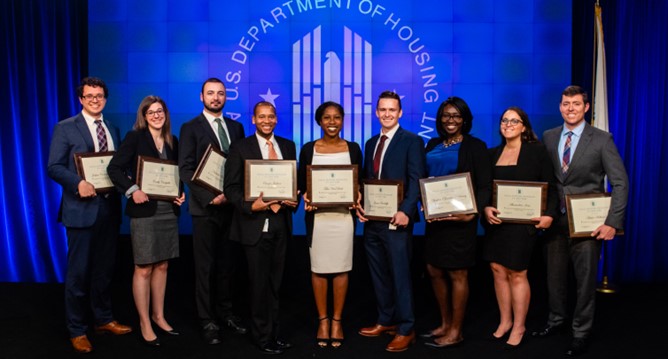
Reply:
x=91, y=255
x=215, y=266
x=389, y=256
x=266, y=261
x=583, y=254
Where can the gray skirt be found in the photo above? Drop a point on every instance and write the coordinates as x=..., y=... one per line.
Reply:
x=155, y=238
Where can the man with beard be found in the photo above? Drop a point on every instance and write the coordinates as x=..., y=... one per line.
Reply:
x=214, y=255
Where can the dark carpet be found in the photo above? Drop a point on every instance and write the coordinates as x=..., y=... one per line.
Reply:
x=629, y=323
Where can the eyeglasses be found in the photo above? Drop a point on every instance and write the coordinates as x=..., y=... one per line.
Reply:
x=511, y=122
x=90, y=97
x=453, y=116
x=151, y=113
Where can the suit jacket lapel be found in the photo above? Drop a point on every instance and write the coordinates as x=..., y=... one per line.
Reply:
x=85, y=132
x=206, y=129
x=149, y=139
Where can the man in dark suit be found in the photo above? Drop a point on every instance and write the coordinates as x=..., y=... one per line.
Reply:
x=582, y=156
x=394, y=154
x=214, y=255
x=263, y=228
x=92, y=221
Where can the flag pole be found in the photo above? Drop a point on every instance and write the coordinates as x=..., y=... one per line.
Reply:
x=600, y=119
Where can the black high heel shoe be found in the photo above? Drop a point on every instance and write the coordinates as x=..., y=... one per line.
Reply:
x=170, y=332
x=151, y=343
x=336, y=342
x=322, y=342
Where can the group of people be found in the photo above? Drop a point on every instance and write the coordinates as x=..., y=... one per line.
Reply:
x=573, y=158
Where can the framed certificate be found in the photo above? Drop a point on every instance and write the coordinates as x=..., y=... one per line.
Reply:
x=519, y=201
x=332, y=185
x=276, y=179
x=92, y=168
x=158, y=178
x=445, y=195
x=586, y=212
x=210, y=172
x=382, y=199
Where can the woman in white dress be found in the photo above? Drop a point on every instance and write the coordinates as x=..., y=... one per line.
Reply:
x=330, y=231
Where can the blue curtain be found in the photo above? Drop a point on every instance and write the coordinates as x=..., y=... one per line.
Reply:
x=637, y=54
x=42, y=45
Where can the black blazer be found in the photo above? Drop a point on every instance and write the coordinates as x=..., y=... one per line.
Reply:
x=473, y=157
x=533, y=164
x=196, y=135
x=305, y=159
x=247, y=225
x=404, y=161
x=123, y=167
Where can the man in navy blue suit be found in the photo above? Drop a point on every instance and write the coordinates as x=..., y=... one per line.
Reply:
x=92, y=220
x=394, y=154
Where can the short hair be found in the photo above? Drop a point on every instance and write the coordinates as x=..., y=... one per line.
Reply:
x=92, y=82
x=263, y=103
x=463, y=109
x=141, y=122
x=320, y=111
x=528, y=136
x=389, y=94
x=573, y=90
x=212, y=79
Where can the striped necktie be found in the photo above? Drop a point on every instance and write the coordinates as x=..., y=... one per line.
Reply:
x=101, y=136
x=566, y=158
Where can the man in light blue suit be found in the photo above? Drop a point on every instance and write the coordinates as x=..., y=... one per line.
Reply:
x=92, y=220
x=394, y=154
x=581, y=157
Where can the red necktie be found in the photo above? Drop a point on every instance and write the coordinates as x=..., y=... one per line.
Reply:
x=377, y=156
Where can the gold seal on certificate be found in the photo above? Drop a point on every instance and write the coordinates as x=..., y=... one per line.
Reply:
x=275, y=179
x=519, y=201
x=332, y=185
x=586, y=212
x=446, y=195
x=158, y=178
x=92, y=168
x=382, y=199
x=210, y=172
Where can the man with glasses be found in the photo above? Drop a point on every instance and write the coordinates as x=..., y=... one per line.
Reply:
x=92, y=220
x=214, y=254
x=582, y=156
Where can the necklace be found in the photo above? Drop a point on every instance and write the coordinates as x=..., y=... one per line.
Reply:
x=453, y=141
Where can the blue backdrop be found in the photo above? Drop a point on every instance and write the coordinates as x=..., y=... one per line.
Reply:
x=492, y=53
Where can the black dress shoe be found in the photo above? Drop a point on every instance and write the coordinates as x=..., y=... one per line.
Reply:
x=271, y=349
x=236, y=325
x=578, y=346
x=547, y=331
x=282, y=344
x=210, y=334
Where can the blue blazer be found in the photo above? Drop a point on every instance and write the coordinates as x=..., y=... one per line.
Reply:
x=72, y=136
x=404, y=161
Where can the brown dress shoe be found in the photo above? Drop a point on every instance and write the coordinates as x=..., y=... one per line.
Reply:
x=81, y=344
x=377, y=330
x=401, y=342
x=114, y=328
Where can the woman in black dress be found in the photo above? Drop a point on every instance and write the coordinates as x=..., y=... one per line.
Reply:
x=450, y=242
x=508, y=247
x=153, y=224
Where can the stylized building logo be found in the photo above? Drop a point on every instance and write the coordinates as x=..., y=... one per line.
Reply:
x=344, y=79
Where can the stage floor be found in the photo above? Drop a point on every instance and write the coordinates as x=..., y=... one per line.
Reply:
x=629, y=324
